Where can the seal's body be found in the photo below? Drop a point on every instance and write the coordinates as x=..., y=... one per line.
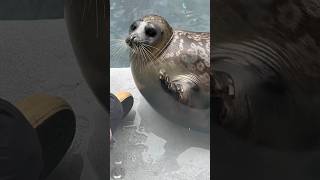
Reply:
x=171, y=68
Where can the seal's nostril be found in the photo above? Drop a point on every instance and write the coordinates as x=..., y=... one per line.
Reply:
x=131, y=39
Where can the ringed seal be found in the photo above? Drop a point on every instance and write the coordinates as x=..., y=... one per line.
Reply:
x=171, y=68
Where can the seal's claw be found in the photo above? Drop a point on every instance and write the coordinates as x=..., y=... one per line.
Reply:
x=164, y=79
x=162, y=75
x=179, y=88
x=171, y=86
x=162, y=71
x=179, y=91
x=176, y=90
x=167, y=80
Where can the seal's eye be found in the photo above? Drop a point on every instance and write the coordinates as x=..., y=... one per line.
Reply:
x=133, y=26
x=151, y=31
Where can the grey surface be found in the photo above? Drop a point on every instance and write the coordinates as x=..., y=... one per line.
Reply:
x=182, y=14
x=31, y=9
x=150, y=147
x=36, y=56
x=234, y=159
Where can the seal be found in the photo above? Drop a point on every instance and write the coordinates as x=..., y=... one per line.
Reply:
x=171, y=68
x=266, y=68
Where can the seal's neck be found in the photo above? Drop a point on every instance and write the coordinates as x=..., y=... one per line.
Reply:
x=164, y=46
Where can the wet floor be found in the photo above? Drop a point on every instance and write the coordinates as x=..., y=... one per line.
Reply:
x=147, y=146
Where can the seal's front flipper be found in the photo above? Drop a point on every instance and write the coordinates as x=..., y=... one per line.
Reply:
x=183, y=88
x=176, y=88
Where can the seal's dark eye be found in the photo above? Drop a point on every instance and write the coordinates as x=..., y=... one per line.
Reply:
x=150, y=31
x=133, y=26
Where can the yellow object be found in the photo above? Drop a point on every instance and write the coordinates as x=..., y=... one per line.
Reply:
x=39, y=107
x=126, y=100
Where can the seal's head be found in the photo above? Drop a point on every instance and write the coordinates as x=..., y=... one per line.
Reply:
x=152, y=31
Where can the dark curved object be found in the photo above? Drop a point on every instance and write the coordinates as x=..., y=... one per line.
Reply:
x=267, y=53
x=56, y=135
x=20, y=148
x=87, y=25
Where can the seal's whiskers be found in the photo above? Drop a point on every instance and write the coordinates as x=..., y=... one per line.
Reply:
x=151, y=46
x=144, y=58
x=117, y=48
x=151, y=58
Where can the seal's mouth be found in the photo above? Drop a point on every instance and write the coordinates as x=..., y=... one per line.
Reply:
x=132, y=41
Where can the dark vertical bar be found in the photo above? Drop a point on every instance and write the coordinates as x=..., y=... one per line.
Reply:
x=107, y=21
x=88, y=25
x=86, y=21
x=212, y=164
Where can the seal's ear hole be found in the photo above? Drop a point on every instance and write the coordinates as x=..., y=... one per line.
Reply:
x=150, y=31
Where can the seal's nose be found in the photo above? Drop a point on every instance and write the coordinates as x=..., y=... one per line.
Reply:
x=131, y=39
